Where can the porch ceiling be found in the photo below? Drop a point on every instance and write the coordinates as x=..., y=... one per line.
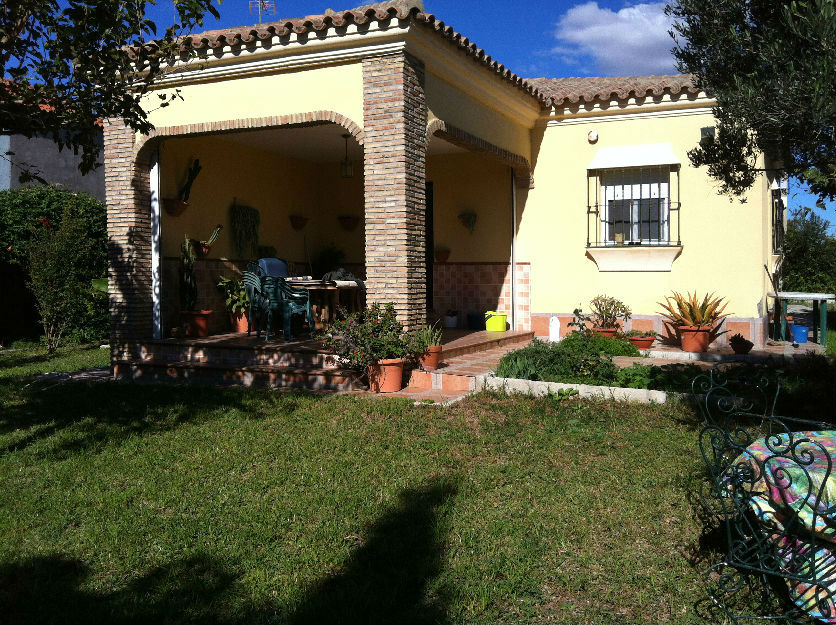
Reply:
x=318, y=144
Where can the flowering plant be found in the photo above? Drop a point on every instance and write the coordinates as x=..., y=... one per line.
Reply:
x=368, y=336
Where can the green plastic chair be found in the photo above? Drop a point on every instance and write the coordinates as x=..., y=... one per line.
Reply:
x=288, y=301
x=259, y=302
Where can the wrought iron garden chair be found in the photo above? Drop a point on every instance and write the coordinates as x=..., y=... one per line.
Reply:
x=772, y=488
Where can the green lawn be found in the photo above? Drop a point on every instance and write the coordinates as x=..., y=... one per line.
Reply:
x=143, y=504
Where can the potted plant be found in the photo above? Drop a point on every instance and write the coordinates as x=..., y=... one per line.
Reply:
x=740, y=344
x=451, y=318
x=427, y=345
x=195, y=322
x=204, y=247
x=237, y=302
x=442, y=254
x=372, y=342
x=175, y=207
x=606, y=313
x=696, y=320
x=642, y=340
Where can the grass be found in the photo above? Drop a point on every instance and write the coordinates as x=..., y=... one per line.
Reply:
x=134, y=504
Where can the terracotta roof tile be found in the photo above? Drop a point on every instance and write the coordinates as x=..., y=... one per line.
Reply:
x=557, y=91
x=565, y=91
x=381, y=11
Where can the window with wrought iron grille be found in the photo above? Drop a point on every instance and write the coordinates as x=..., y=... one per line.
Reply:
x=633, y=206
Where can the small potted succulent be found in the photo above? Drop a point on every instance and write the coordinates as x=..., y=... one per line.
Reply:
x=372, y=342
x=428, y=346
x=641, y=339
x=204, y=247
x=740, y=344
x=237, y=302
x=697, y=320
x=606, y=314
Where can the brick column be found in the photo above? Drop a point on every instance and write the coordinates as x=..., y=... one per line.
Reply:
x=395, y=149
x=127, y=188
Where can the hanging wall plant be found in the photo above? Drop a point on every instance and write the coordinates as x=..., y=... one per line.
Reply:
x=243, y=226
x=468, y=219
x=176, y=206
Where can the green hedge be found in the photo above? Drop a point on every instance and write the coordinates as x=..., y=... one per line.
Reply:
x=24, y=210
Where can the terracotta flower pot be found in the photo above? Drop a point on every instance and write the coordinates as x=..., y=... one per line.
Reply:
x=641, y=342
x=430, y=358
x=610, y=332
x=742, y=348
x=195, y=322
x=239, y=321
x=695, y=338
x=442, y=256
x=298, y=222
x=348, y=222
x=386, y=376
x=174, y=207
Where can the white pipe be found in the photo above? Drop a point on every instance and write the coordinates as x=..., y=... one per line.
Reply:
x=156, y=290
x=513, y=249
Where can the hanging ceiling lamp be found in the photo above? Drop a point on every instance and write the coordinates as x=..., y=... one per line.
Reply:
x=346, y=167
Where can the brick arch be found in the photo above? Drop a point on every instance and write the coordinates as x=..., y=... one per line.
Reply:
x=252, y=123
x=462, y=138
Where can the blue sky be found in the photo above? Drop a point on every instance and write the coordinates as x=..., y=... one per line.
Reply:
x=553, y=38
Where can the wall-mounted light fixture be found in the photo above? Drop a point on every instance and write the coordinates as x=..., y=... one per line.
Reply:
x=346, y=167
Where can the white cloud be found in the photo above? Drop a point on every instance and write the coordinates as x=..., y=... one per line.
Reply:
x=632, y=41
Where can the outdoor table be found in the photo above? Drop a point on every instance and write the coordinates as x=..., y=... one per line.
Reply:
x=792, y=497
x=325, y=297
x=819, y=312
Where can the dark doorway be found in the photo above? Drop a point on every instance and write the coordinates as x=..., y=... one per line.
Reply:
x=430, y=245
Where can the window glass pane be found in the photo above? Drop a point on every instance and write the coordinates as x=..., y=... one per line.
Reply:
x=636, y=205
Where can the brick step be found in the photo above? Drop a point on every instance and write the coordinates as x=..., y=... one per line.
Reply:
x=291, y=355
x=270, y=376
x=486, y=341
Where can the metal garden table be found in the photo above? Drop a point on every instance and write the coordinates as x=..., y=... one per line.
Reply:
x=819, y=312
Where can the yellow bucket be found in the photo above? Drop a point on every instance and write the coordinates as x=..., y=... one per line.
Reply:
x=495, y=321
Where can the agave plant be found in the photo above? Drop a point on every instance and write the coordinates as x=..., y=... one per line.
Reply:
x=690, y=311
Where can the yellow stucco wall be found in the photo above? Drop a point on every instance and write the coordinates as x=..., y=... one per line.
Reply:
x=471, y=182
x=336, y=88
x=276, y=185
x=455, y=106
x=725, y=243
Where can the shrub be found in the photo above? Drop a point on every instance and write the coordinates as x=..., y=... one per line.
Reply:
x=368, y=336
x=60, y=259
x=21, y=213
x=22, y=209
x=577, y=358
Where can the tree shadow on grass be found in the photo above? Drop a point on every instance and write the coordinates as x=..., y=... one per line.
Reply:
x=388, y=579
x=11, y=359
x=76, y=415
x=49, y=589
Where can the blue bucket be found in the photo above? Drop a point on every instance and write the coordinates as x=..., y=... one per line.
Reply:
x=799, y=333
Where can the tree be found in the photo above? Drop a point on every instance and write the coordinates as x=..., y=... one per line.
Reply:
x=809, y=254
x=770, y=65
x=66, y=69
